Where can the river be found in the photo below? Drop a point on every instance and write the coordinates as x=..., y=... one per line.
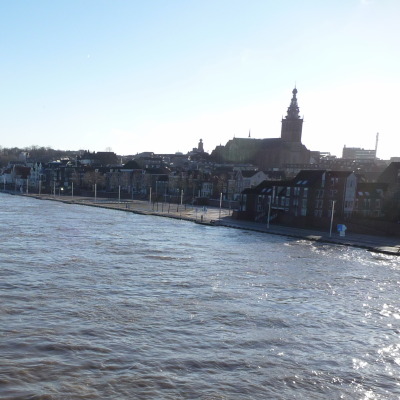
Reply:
x=105, y=304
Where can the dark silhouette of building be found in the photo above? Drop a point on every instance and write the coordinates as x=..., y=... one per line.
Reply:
x=303, y=200
x=269, y=153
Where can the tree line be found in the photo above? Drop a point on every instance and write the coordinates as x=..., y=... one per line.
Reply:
x=39, y=154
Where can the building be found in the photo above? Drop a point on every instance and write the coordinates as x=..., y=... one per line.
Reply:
x=248, y=179
x=370, y=199
x=271, y=153
x=391, y=177
x=355, y=153
x=309, y=197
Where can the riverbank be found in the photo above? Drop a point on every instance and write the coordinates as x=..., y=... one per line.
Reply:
x=223, y=217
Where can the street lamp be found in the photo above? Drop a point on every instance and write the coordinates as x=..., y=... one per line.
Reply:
x=333, y=211
x=271, y=199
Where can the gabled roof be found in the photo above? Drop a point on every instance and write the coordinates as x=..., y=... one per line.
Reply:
x=23, y=172
x=340, y=174
x=265, y=184
x=371, y=186
x=310, y=176
x=391, y=173
x=248, y=174
x=157, y=171
x=305, y=178
x=132, y=164
x=370, y=189
x=278, y=175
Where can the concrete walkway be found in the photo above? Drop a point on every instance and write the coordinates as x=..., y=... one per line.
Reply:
x=379, y=244
x=222, y=217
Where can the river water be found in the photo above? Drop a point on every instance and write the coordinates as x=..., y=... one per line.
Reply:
x=104, y=304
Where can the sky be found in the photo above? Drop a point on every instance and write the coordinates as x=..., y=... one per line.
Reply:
x=159, y=75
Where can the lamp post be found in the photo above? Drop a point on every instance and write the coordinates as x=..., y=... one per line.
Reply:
x=220, y=205
x=269, y=210
x=271, y=199
x=332, y=212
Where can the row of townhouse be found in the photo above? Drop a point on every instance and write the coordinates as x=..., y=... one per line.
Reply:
x=313, y=195
x=135, y=178
x=307, y=198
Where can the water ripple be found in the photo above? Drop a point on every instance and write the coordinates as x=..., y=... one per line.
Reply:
x=98, y=304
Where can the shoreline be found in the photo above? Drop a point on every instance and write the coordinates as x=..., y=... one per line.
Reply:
x=212, y=216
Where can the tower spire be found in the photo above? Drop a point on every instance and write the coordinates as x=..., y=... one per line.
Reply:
x=293, y=110
x=292, y=124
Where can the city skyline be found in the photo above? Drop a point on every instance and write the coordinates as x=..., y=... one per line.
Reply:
x=138, y=77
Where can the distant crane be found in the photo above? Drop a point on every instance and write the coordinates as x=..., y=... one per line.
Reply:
x=376, y=143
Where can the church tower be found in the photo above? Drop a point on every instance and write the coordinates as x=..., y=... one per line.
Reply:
x=292, y=124
x=200, y=147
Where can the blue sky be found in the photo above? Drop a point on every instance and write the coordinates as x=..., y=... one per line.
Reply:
x=159, y=75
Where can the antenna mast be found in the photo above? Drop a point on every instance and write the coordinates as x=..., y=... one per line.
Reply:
x=376, y=143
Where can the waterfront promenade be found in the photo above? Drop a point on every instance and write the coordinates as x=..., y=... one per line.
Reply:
x=223, y=217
